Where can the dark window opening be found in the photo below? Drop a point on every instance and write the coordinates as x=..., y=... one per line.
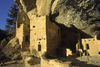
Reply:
x=39, y=39
x=33, y=26
x=10, y=55
x=28, y=25
x=87, y=46
x=98, y=52
x=98, y=36
x=75, y=31
x=39, y=16
x=24, y=23
x=58, y=32
x=27, y=38
x=18, y=25
x=39, y=47
x=64, y=35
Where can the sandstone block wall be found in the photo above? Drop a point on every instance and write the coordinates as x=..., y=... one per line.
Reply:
x=38, y=36
x=92, y=46
x=19, y=33
x=45, y=33
x=53, y=37
x=23, y=29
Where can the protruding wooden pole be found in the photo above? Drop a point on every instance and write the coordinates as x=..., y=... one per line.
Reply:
x=87, y=57
x=80, y=46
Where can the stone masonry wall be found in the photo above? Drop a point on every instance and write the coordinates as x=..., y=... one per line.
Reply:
x=91, y=45
x=23, y=29
x=19, y=33
x=53, y=62
x=38, y=40
x=53, y=37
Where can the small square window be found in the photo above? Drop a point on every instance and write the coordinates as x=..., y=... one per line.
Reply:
x=28, y=25
x=33, y=26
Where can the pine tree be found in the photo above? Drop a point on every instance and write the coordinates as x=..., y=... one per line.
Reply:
x=11, y=23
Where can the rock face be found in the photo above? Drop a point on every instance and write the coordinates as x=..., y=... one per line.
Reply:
x=43, y=7
x=82, y=14
x=12, y=49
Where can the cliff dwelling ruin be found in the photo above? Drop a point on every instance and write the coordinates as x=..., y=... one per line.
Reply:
x=44, y=36
x=38, y=35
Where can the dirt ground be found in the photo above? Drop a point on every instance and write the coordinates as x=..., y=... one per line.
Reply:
x=94, y=61
x=19, y=65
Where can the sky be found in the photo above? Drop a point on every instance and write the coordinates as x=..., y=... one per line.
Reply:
x=4, y=10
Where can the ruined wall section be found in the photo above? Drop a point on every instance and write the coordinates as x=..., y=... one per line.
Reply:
x=26, y=31
x=19, y=33
x=23, y=29
x=45, y=62
x=38, y=40
x=19, y=28
x=54, y=63
x=53, y=37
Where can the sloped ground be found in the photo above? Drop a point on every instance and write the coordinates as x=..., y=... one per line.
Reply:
x=20, y=65
x=94, y=61
x=14, y=65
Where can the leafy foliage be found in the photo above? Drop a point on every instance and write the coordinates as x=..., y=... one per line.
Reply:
x=11, y=22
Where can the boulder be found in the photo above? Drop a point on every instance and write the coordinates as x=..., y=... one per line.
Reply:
x=12, y=49
x=4, y=42
x=26, y=5
x=43, y=7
